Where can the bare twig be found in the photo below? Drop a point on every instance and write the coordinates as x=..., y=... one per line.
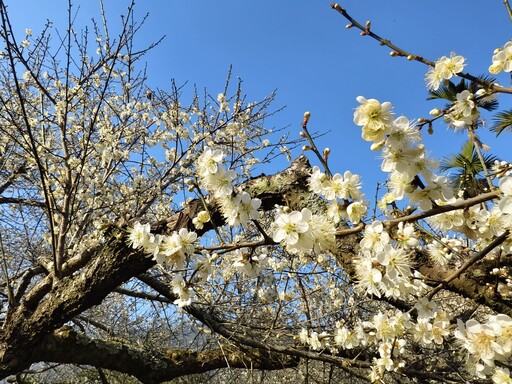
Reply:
x=397, y=51
x=509, y=10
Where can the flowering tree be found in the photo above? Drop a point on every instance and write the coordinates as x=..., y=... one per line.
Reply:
x=136, y=238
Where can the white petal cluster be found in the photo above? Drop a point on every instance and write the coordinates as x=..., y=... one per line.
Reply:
x=375, y=118
x=248, y=262
x=502, y=59
x=404, y=158
x=383, y=266
x=172, y=249
x=505, y=204
x=346, y=187
x=464, y=111
x=240, y=209
x=487, y=342
x=444, y=69
x=303, y=231
x=184, y=292
x=214, y=177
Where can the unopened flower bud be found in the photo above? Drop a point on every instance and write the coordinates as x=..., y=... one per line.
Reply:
x=393, y=53
x=436, y=112
x=368, y=25
x=307, y=115
x=302, y=134
x=422, y=120
x=326, y=153
x=411, y=57
x=306, y=148
x=348, y=26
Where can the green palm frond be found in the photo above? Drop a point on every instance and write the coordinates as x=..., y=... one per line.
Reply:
x=466, y=170
x=448, y=91
x=502, y=122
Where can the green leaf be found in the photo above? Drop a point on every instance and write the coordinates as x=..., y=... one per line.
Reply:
x=502, y=122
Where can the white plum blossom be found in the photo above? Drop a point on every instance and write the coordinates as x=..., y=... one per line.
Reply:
x=351, y=186
x=184, y=292
x=397, y=262
x=177, y=246
x=247, y=262
x=303, y=336
x=505, y=204
x=138, y=235
x=289, y=227
x=368, y=277
x=502, y=59
x=209, y=161
x=501, y=376
x=464, y=112
x=375, y=118
x=406, y=236
x=240, y=209
x=203, y=266
x=356, y=211
x=219, y=183
x=317, y=181
x=479, y=340
x=444, y=69
x=154, y=246
x=375, y=237
x=201, y=218
x=403, y=159
x=403, y=131
x=333, y=187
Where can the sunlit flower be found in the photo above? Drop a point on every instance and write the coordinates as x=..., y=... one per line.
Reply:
x=502, y=59
x=138, y=235
x=356, y=211
x=374, y=117
x=444, y=69
x=178, y=245
x=289, y=227
x=375, y=237
x=209, y=161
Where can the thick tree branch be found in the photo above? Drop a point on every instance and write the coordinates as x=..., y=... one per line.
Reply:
x=149, y=366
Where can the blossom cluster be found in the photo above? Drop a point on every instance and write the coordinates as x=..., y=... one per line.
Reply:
x=384, y=266
x=404, y=156
x=304, y=231
x=486, y=343
x=346, y=187
x=444, y=69
x=387, y=332
x=174, y=250
x=237, y=208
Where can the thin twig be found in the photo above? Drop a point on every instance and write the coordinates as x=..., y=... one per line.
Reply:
x=509, y=10
x=365, y=31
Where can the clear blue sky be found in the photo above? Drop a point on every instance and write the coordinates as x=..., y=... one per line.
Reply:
x=302, y=49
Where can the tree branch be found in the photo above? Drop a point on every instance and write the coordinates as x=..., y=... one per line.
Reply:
x=149, y=366
x=365, y=31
